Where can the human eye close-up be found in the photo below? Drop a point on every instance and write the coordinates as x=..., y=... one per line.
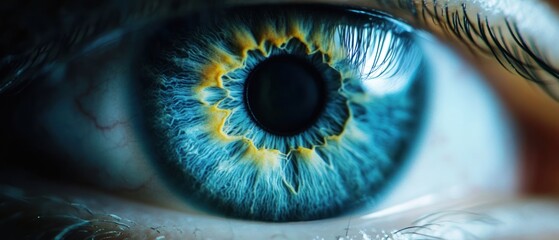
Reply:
x=326, y=119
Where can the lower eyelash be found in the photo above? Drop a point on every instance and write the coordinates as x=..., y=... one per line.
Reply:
x=517, y=55
x=51, y=217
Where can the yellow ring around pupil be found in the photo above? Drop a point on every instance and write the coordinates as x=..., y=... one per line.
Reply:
x=212, y=75
x=225, y=159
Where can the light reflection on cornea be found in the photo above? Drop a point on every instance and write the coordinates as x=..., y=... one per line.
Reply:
x=452, y=194
x=418, y=202
x=380, y=77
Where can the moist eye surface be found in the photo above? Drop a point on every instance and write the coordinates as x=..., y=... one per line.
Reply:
x=284, y=113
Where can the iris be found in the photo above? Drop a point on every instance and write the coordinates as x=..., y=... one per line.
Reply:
x=284, y=114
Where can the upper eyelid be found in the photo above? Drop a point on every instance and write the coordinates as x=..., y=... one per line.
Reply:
x=504, y=32
x=32, y=46
x=528, y=62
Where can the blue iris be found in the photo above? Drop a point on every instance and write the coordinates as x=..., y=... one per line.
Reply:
x=219, y=156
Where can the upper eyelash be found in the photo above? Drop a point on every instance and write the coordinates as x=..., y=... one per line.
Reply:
x=64, y=39
x=518, y=55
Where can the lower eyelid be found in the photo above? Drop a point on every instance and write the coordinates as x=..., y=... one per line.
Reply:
x=66, y=212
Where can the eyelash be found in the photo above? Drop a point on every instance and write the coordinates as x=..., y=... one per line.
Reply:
x=517, y=55
x=40, y=51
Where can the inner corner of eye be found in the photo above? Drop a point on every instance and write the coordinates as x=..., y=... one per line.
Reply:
x=284, y=113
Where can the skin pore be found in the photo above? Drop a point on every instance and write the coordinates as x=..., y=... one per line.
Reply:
x=109, y=212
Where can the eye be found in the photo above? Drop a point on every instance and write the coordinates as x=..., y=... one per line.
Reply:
x=280, y=114
x=122, y=134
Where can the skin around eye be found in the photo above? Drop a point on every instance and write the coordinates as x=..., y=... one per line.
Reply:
x=136, y=184
x=93, y=136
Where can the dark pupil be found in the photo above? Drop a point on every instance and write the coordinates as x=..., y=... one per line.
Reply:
x=285, y=94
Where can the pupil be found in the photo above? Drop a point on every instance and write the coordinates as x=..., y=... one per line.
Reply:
x=285, y=94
